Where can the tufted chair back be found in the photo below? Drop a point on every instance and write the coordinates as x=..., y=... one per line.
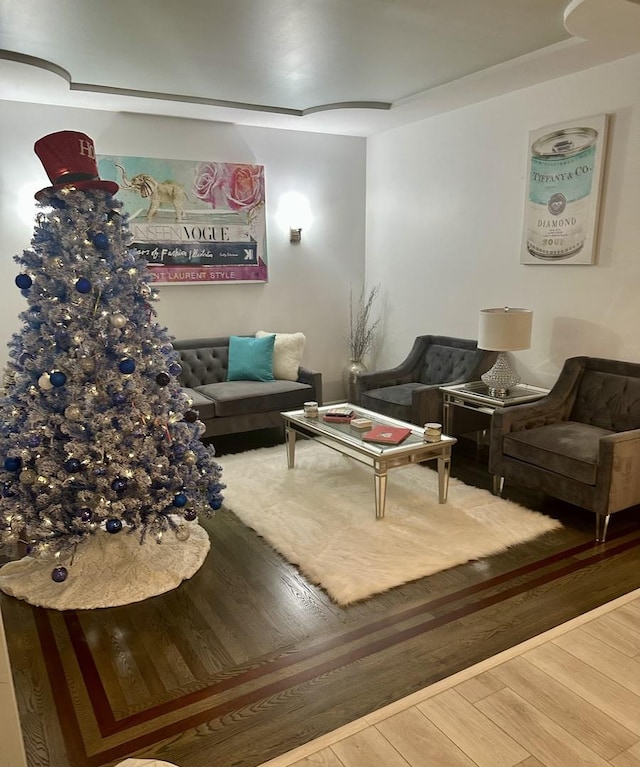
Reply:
x=447, y=363
x=610, y=400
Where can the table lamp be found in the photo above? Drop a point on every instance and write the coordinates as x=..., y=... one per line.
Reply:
x=503, y=330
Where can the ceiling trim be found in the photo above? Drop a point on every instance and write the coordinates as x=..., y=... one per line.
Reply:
x=54, y=68
x=33, y=61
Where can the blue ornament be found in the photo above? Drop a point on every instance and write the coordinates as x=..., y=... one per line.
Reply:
x=72, y=465
x=119, y=398
x=58, y=378
x=113, y=525
x=162, y=379
x=101, y=241
x=190, y=416
x=175, y=368
x=33, y=440
x=12, y=464
x=190, y=515
x=24, y=282
x=215, y=504
x=119, y=484
x=83, y=285
x=59, y=574
x=127, y=366
x=85, y=514
x=180, y=500
x=7, y=492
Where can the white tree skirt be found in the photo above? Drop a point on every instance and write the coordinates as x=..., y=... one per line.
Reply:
x=108, y=570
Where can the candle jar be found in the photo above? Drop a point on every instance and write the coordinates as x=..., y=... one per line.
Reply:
x=310, y=409
x=432, y=432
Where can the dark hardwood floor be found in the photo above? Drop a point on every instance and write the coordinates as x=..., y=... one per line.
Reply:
x=247, y=660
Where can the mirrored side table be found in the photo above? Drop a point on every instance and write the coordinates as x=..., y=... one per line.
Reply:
x=475, y=396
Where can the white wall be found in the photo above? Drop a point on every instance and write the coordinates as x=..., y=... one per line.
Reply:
x=444, y=209
x=309, y=283
x=445, y=201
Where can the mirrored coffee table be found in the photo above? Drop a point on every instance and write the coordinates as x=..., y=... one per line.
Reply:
x=346, y=439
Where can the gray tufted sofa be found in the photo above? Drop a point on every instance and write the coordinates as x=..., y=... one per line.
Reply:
x=580, y=443
x=411, y=391
x=227, y=407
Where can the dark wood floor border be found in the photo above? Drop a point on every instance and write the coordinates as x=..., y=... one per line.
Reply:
x=108, y=724
x=67, y=713
x=65, y=710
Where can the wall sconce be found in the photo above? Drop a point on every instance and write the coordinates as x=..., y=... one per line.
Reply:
x=294, y=214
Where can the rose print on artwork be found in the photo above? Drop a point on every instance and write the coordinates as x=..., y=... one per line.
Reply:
x=215, y=231
x=208, y=180
x=246, y=187
x=239, y=187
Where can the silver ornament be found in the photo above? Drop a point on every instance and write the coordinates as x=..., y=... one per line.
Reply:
x=118, y=320
x=28, y=476
x=73, y=413
x=182, y=533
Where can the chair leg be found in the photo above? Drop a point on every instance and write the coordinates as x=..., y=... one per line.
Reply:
x=602, y=522
x=498, y=484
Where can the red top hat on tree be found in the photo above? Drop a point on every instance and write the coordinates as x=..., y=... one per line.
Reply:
x=69, y=158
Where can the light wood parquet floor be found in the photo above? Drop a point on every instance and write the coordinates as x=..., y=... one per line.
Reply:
x=247, y=661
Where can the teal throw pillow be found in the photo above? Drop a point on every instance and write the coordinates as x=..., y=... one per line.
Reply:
x=251, y=359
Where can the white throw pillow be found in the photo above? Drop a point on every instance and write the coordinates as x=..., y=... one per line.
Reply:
x=287, y=354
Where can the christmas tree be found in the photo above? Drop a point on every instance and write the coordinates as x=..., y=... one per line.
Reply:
x=96, y=434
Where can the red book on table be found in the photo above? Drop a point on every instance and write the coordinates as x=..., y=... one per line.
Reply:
x=386, y=435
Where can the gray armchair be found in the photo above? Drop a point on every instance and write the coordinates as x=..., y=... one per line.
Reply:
x=411, y=390
x=581, y=443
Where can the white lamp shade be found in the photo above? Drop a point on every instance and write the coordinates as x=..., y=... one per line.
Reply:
x=505, y=329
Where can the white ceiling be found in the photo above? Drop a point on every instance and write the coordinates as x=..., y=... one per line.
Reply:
x=337, y=66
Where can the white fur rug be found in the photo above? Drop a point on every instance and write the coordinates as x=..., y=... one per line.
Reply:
x=321, y=517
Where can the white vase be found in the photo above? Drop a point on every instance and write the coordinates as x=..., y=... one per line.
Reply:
x=350, y=380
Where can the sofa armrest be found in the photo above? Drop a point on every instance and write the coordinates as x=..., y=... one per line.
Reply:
x=312, y=378
x=426, y=404
x=403, y=373
x=618, y=485
x=377, y=379
x=527, y=416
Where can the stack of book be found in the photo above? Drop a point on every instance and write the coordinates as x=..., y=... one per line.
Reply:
x=338, y=415
x=362, y=423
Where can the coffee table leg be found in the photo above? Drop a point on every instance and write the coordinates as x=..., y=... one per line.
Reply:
x=444, y=465
x=290, y=437
x=380, y=481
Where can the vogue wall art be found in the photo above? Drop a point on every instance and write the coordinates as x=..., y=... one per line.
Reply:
x=194, y=222
x=563, y=192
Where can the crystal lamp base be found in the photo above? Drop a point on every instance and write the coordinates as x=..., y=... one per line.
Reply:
x=501, y=377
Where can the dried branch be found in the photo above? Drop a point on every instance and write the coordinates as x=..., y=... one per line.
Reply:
x=362, y=327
